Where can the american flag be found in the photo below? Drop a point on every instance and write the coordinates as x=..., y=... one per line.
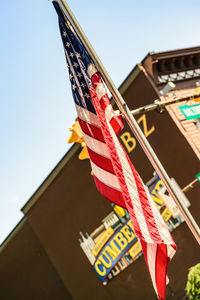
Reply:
x=114, y=175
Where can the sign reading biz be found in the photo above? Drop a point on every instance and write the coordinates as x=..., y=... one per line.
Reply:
x=191, y=111
x=115, y=248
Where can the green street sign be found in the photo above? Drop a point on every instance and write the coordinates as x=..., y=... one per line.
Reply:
x=198, y=176
x=190, y=111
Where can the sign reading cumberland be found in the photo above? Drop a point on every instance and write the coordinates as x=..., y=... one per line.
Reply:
x=120, y=242
x=190, y=111
x=113, y=246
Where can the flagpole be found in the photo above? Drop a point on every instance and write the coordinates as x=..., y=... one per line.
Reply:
x=132, y=122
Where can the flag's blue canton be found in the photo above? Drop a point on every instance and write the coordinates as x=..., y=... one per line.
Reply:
x=77, y=61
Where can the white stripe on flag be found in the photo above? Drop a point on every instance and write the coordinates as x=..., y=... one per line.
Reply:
x=100, y=90
x=91, y=69
x=170, y=251
x=87, y=116
x=106, y=177
x=151, y=258
x=109, y=113
x=97, y=146
x=160, y=224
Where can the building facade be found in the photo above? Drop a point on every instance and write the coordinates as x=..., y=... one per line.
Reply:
x=65, y=246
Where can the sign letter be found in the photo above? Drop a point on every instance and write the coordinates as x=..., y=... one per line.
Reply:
x=128, y=141
x=143, y=119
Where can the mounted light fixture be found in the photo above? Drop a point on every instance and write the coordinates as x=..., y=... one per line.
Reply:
x=167, y=88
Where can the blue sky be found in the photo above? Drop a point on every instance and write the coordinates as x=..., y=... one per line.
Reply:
x=36, y=103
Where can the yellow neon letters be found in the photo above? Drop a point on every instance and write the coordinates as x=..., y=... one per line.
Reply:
x=128, y=234
x=129, y=141
x=114, y=248
x=106, y=262
x=99, y=271
x=120, y=240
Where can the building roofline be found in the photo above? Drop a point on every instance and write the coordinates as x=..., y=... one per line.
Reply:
x=129, y=79
x=12, y=233
x=172, y=53
x=40, y=190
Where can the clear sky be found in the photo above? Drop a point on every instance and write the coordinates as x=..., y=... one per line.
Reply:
x=36, y=103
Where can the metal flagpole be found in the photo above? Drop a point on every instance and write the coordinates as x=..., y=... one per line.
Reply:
x=131, y=121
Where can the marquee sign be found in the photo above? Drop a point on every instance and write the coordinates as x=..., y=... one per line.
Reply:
x=116, y=247
x=113, y=246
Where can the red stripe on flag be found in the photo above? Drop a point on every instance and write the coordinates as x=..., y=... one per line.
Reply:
x=162, y=261
x=116, y=124
x=144, y=249
x=104, y=101
x=96, y=79
x=109, y=193
x=91, y=130
x=101, y=161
